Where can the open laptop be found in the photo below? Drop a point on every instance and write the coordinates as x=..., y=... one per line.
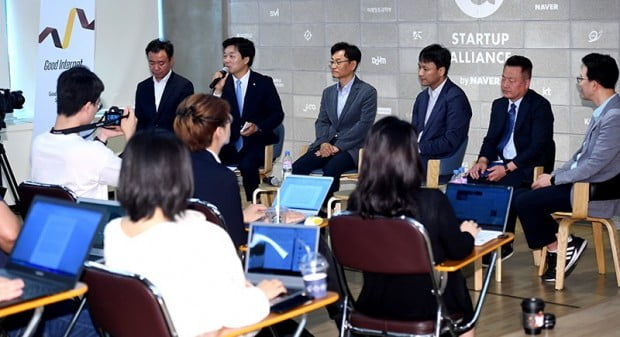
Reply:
x=274, y=251
x=113, y=210
x=487, y=205
x=51, y=248
x=304, y=194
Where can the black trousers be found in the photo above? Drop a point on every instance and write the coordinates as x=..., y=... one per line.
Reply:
x=332, y=166
x=534, y=208
x=248, y=161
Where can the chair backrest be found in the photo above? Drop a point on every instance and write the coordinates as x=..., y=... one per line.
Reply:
x=381, y=245
x=606, y=190
x=277, y=147
x=209, y=210
x=125, y=304
x=27, y=190
x=455, y=161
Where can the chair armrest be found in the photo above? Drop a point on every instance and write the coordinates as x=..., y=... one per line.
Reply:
x=268, y=165
x=538, y=170
x=432, y=173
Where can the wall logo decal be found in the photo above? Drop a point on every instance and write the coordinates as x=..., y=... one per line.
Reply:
x=68, y=29
x=594, y=36
x=479, y=8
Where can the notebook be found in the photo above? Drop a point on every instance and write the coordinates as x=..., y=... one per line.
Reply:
x=113, y=210
x=51, y=248
x=487, y=205
x=304, y=194
x=274, y=251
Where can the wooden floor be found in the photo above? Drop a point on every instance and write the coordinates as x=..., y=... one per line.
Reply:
x=501, y=314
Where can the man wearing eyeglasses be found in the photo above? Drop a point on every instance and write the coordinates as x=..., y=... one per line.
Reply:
x=596, y=160
x=62, y=157
x=520, y=136
x=348, y=110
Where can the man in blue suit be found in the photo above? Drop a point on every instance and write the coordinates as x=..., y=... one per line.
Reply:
x=597, y=160
x=255, y=107
x=348, y=110
x=520, y=136
x=441, y=112
x=158, y=96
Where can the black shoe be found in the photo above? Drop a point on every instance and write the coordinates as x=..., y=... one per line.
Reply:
x=574, y=251
x=552, y=261
x=507, y=252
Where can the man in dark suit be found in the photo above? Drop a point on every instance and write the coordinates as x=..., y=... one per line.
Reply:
x=157, y=97
x=348, y=110
x=597, y=160
x=520, y=135
x=441, y=112
x=256, y=109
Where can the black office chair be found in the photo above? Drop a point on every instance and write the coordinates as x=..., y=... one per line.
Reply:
x=29, y=189
x=387, y=246
x=124, y=304
x=209, y=210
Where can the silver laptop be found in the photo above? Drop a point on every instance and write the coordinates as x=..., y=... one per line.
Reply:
x=274, y=251
x=487, y=205
x=304, y=194
x=113, y=210
x=52, y=246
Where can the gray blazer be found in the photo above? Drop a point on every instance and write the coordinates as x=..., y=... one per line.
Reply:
x=600, y=157
x=349, y=131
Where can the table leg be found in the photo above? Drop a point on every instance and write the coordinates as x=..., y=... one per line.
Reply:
x=34, y=322
x=301, y=326
x=498, y=268
x=483, y=292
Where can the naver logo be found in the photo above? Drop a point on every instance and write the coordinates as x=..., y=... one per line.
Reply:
x=479, y=8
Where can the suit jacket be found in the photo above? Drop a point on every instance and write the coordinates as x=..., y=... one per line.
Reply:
x=215, y=183
x=349, y=131
x=600, y=157
x=448, y=124
x=533, y=132
x=177, y=89
x=261, y=106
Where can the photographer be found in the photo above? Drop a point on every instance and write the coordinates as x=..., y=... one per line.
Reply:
x=62, y=156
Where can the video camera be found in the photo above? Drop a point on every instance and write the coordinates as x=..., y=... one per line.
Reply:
x=9, y=100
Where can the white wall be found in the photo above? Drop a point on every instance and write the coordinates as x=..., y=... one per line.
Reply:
x=122, y=30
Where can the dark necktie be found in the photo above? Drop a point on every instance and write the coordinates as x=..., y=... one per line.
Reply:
x=508, y=128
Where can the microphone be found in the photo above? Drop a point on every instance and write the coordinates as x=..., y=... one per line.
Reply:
x=223, y=71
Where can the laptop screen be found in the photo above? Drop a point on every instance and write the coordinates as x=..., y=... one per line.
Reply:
x=304, y=192
x=485, y=204
x=275, y=249
x=113, y=210
x=56, y=236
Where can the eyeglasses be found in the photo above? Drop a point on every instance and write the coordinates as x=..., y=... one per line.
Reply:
x=337, y=62
x=579, y=79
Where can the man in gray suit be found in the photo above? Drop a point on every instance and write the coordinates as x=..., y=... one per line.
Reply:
x=597, y=160
x=348, y=110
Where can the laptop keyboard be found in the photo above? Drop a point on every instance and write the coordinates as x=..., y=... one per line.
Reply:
x=33, y=289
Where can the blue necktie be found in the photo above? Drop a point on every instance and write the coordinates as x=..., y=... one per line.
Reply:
x=239, y=93
x=508, y=128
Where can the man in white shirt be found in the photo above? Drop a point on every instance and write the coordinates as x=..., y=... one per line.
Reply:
x=62, y=156
x=158, y=96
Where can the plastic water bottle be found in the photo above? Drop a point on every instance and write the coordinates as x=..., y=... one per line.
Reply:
x=287, y=165
x=459, y=176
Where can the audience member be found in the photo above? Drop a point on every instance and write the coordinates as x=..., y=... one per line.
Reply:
x=191, y=261
x=203, y=124
x=255, y=107
x=520, y=136
x=9, y=228
x=348, y=109
x=596, y=160
x=441, y=112
x=390, y=185
x=62, y=156
x=158, y=96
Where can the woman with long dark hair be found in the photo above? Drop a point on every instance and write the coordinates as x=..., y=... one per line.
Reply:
x=390, y=185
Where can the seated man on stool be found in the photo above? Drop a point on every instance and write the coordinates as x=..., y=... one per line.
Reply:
x=597, y=160
x=348, y=110
x=520, y=135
